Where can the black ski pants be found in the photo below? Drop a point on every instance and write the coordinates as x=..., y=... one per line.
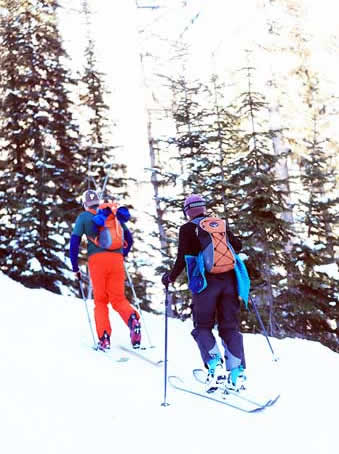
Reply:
x=219, y=303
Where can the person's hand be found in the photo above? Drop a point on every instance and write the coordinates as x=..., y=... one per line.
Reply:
x=77, y=275
x=166, y=279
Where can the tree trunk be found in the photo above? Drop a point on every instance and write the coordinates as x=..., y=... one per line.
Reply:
x=155, y=184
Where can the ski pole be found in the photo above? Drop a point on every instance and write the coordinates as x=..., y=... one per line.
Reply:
x=137, y=304
x=88, y=316
x=103, y=189
x=262, y=327
x=165, y=403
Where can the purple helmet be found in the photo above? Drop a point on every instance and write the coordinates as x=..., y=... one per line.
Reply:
x=194, y=205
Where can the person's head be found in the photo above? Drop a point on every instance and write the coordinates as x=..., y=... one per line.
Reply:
x=194, y=205
x=90, y=199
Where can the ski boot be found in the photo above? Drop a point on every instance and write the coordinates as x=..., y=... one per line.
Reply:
x=216, y=374
x=236, y=379
x=104, y=342
x=135, y=331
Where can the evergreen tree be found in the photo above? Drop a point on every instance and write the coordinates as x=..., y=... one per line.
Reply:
x=257, y=200
x=316, y=288
x=40, y=142
x=222, y=127
x=187, y=146
x=203, y=142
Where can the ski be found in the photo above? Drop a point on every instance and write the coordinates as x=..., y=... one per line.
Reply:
x=109, y=355
x=200, y=376
x=229, y=400
x=142, y=353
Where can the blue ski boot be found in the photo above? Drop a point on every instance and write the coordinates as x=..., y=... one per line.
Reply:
x=216, y=374
x=236, y=379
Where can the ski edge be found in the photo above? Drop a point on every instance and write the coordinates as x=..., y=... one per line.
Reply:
x=139, y=354
x=257, y=409
x=268, y=403
x=110, y=355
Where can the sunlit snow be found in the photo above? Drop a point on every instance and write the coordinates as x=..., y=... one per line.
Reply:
x=58, y=396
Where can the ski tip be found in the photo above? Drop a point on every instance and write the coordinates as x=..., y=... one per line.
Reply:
x=123, y=359
x=175, y=378
x=273, y=401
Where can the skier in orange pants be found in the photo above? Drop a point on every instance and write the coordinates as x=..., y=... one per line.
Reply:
x=106, y=269
x=108, y=276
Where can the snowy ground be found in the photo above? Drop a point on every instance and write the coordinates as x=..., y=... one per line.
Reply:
x=57, y=395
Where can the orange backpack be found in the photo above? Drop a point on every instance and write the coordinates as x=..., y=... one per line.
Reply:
x=211, y=232
x=111, y=234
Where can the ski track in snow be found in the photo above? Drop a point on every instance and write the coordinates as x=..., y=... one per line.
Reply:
x=58, y=396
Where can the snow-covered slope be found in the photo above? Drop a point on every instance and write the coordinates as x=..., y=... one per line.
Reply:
x=58, y=396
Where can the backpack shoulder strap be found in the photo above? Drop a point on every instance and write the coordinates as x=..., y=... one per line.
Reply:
x=196, y=221
x=112, y=206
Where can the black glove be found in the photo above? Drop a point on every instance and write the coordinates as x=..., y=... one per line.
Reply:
x=77, y=275
x=166, y=279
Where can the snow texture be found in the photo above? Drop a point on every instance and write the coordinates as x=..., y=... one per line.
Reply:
x=330, y=269
x=58, y=396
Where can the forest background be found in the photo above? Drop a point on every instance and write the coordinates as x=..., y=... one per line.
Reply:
x=237, y=101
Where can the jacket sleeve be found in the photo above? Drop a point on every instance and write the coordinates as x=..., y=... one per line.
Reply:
x=180, y=263
x=74, y=251
x=235, y=241
x=129, y=240
x=123, y=214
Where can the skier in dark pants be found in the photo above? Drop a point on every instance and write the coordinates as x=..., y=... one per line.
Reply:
x=218, y=302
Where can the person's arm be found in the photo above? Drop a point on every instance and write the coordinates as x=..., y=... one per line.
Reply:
x=77, y=233
x=123, y=214
x=74, y=252
x=128, y=240
x=235, y=241
x=179, y=264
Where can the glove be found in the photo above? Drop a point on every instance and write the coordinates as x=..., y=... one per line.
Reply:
x=77, y=275
x=166, y=279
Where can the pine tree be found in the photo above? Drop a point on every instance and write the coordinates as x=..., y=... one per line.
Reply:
x=203, y=141
x=316, y=288
x=186, y=148
x=257, y=200
x=40, y=143
x=222, y=126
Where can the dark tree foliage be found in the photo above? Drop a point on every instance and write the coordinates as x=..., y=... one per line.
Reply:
x=39, y=142
x=204, y=139
x=257, y=202
x=313, y=305
x=189, y=147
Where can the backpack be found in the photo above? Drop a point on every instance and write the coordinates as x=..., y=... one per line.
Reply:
x=218, y=255
x=111, y=233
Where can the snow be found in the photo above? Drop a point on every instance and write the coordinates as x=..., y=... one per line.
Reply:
x=34, y=264
x=59, y=396
x=331, y=269
x=308, y=242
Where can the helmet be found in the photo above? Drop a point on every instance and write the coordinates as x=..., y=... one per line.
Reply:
x=194, y=205
x=90, y=198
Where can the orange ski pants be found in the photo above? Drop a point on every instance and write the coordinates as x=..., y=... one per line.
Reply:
x=108, y=280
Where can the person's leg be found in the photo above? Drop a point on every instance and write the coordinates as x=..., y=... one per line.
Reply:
x=98, y=275
x=204, y=307
x=116, y=287
x=228, y=324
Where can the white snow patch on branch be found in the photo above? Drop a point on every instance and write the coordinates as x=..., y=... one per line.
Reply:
x=330, y=269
